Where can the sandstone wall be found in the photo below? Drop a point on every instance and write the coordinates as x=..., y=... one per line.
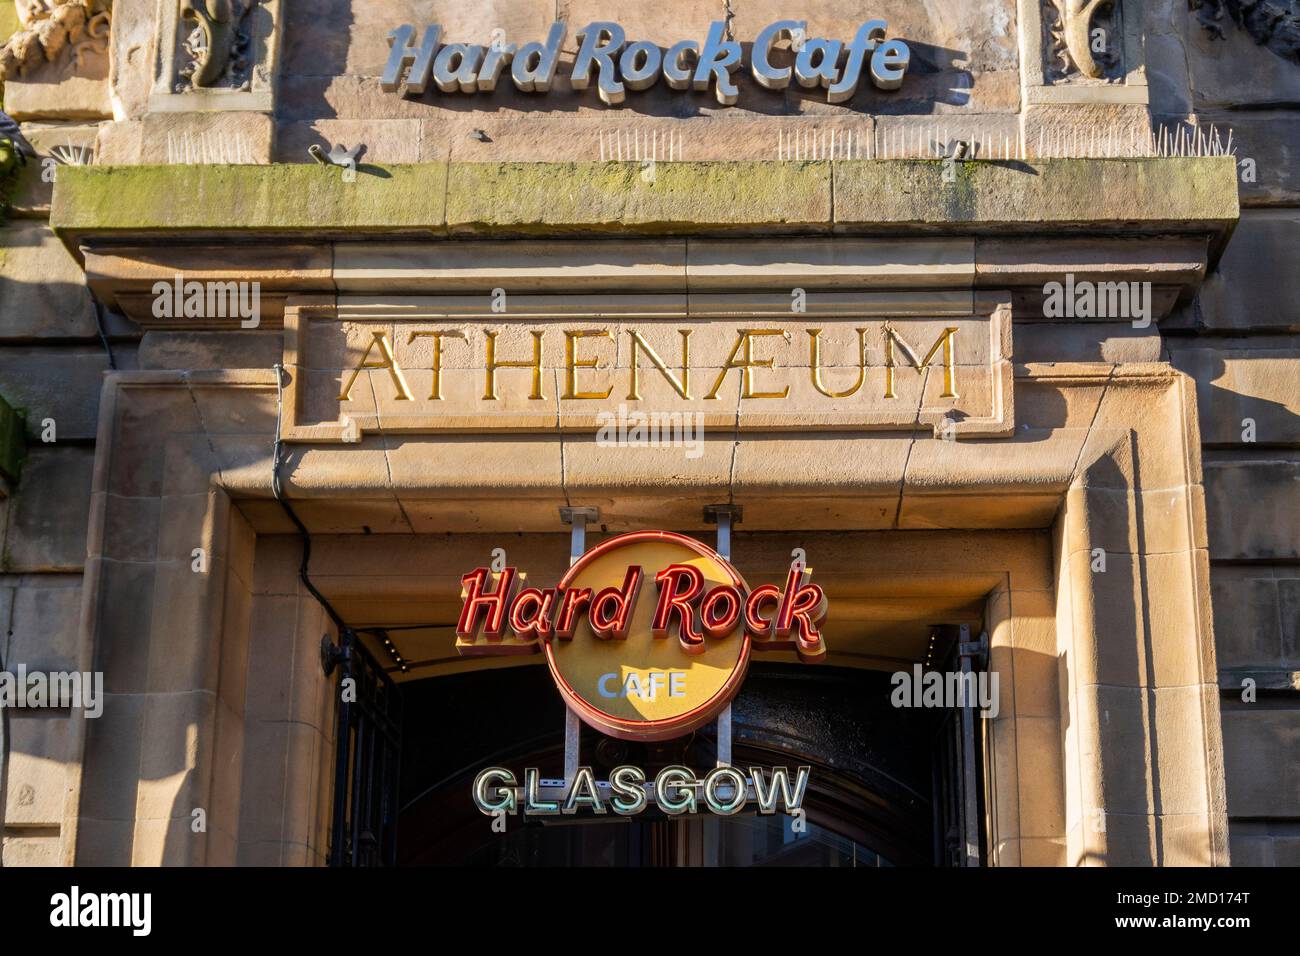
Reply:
x=1239, y=341
x=976, y=74
x=52, y=360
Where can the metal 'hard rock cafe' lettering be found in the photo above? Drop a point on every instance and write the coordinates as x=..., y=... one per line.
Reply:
x=606, y=59
x=744, y=357
x=647, y=637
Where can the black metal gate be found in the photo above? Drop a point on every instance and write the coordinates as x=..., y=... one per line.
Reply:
x=368, y=748
x=958, y=763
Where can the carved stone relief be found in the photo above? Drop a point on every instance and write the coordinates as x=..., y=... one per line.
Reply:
x=216, y=48
x=58, y=32
x=215, y=55
x=1083, y=39
x=1272, y=23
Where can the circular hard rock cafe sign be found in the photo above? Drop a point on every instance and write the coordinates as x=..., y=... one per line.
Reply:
x=648, y=635
x=640, y=684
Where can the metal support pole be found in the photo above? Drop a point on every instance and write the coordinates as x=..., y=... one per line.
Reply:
x=576, y=519
x=343, y=747
x=969, y=650
x=723, y=516
x=724, y=535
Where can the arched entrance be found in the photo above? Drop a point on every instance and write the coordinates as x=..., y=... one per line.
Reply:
x=870, y=800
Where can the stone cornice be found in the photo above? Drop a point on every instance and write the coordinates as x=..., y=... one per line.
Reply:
x=1050, y=197
x=626, y=276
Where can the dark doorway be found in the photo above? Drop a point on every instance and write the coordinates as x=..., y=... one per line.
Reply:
x=870, y=799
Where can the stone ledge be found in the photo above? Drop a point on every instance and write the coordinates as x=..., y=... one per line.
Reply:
x=12, y=444
x=891, y=197
x=1279, y=679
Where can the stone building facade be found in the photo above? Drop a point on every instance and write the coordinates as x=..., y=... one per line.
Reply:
x=1112, y=497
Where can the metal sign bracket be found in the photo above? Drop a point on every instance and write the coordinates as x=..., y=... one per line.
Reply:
x=577, y=519
x=723, y=516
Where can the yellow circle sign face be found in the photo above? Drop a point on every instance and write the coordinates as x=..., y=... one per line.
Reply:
x=640, y=686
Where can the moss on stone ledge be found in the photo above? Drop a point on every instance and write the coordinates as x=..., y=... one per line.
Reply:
x=632, y=198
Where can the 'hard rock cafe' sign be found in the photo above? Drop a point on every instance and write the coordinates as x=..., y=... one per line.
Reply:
x=648, y=635
x=606, y=59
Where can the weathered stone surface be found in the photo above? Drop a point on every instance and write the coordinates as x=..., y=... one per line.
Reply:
x=131, y=73
x=1235, y=70
x=1179, y=195
x=479, y=266
x=1288, y=592
x=1251, y=506
x=385, y=141
x=1086, y=342
x=1265, y=843
x=531, y=197
x=926, y=137
x=1087, y=130
x=1240, y=388
x=60, y=91
x=44, y=628
x=47, y=136
x=196, y=138
x=351, y=38
x=119, y=143
x=1256, y=285
x=589, y=137
x=217, y=137
x=40, y=749
x=311, y=198
x=58, y=383
x=68, y=142
x=1165, y=24
x=48, y=513
x=1260, y=768
x=210, y=350
x=28, y=194
x=35, y=848
x=1163, y=192
x=42, y=289
x=1253, y=626
x=1152, y=522
x=1286, y=850
x=1270, y=141
x=1249, y=849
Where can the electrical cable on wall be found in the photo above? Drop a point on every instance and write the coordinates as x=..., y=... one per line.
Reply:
x=103, y=336
x=277, y=489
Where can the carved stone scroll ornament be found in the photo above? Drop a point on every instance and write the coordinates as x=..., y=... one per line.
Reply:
x=50, y=27
x=1070, y=26
x=217, y=47
x=1272, y=23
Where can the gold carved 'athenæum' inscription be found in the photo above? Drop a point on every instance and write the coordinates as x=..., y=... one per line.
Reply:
x=750, y=356
x=414, y=366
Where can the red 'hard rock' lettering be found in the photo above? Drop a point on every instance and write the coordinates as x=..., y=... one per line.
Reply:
x=685, y=608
